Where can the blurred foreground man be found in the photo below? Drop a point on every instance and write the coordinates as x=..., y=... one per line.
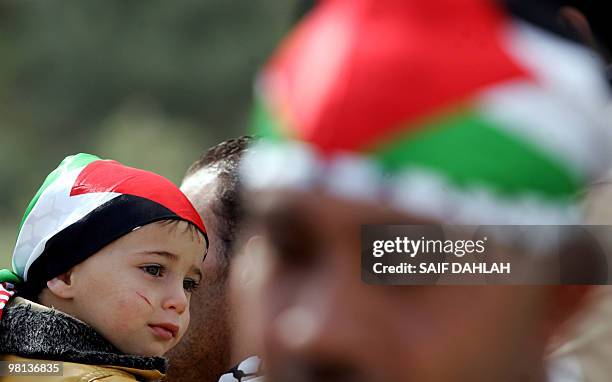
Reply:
x=211, y=184
x=393, y=111
x=586, y=354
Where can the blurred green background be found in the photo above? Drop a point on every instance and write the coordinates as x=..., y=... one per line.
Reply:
x=150, y=83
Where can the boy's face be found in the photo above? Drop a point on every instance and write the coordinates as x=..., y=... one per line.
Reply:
x=320, y=322
x=135, y=292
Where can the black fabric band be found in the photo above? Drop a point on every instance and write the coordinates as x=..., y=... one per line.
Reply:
x=542, y=13
x=102, y=226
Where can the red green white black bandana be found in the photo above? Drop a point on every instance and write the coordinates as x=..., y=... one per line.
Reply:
x=6, y=292
x=85, y=204
x=449, y=109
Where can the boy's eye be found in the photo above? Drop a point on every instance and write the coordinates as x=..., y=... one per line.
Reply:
x=190, y=285
x=153, y=270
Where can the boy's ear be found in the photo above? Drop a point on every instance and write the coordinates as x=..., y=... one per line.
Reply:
x=62, y=285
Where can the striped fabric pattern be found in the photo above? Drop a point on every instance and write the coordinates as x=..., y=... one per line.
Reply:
x=6, y=292
x=86, y=203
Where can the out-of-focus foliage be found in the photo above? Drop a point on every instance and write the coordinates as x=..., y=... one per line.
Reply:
x=151, y=83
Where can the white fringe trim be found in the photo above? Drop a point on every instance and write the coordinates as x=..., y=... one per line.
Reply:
x=294, y=165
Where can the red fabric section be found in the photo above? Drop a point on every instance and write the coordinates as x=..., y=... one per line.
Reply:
x=356, y=71
x=5, y=296
x=112, y=176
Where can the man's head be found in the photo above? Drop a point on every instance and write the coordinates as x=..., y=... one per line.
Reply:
x=387, y=111
x=319, y=322
x=211, y=184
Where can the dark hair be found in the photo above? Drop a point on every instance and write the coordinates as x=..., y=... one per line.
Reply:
x=190, y=228
x=225, y=157
x=545, y=13
x=596, y=15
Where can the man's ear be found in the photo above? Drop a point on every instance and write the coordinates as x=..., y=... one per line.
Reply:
x=62, y=286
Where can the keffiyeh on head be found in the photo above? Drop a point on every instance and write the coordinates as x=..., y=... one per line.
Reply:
x=448, y=109
x=85, y=204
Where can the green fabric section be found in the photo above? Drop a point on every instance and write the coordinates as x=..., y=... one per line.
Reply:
x=8, y=276
x=263, y=124
x=471, y=151
x=68, y=164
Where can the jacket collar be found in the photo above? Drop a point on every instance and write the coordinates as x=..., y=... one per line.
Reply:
x=28, y=329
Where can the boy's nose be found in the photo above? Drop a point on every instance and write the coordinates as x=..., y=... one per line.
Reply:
x=176, y=300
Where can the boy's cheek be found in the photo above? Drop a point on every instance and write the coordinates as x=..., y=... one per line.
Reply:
x=143, y=299
x=133, y=303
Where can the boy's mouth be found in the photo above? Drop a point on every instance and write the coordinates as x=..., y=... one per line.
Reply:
x=164, y=330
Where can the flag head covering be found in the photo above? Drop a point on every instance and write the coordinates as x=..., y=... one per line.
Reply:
x=85, y=204
x=447, y=109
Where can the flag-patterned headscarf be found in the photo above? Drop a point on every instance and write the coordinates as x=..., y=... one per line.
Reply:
x=449, y=109
x=83, y=205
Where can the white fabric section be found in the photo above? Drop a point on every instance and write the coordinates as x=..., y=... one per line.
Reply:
x=353, y=176
x=566, y=369
x=3, y=297
x=250, y=365
x=430, y=195
x=230, y=378
x=573, y=77
x=267, y=163
x=540, y=118
x=249, y=369
x=54, y=211
x=417, y=191
x=349, y=175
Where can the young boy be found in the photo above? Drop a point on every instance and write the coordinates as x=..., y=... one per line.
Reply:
x=103, y=268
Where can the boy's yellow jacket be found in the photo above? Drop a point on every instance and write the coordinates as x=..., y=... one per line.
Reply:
x=78, y=372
